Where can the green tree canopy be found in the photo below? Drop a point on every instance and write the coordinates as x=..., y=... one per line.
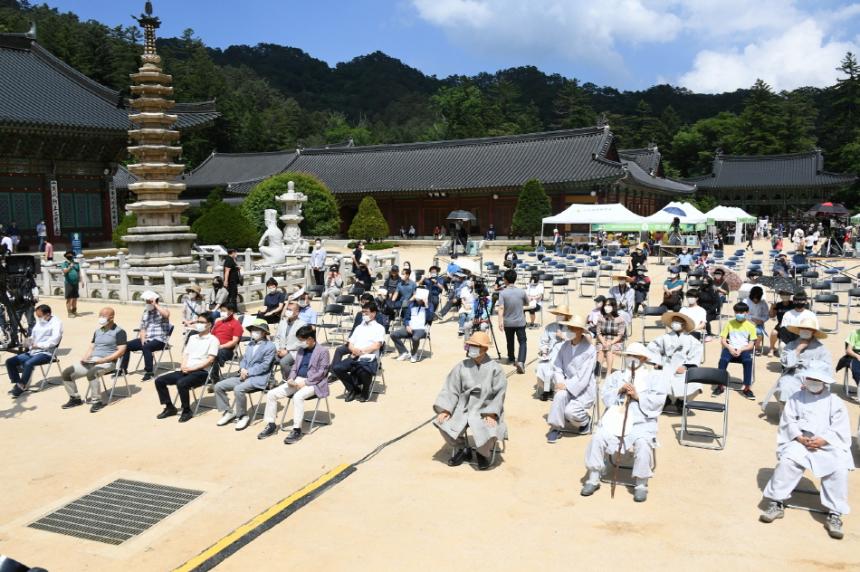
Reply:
x=368, y=223
x=532, y=206
x=322, y=217
x=225, y=225
x=572, y=107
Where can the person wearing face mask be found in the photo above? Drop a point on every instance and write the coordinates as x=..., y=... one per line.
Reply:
x=738, y=340
x=416, y=322
x=333, y=286
x=306, y=379
x=709, y=299
x=342, y=350
x=317, y=262
x=758, y=315
x=473, y=399
x=198, y=356
x=254, y=372
x=512, y=319
x=611, y=331
x=781, y=266
x=357, y=370
x=228, y=331
x=192, y=306
x=466, y=310
x=695, y=312
x=153, y=332
x=574, y=381
x=815, y=435
x=232, y=275
x=306, y=312
x=435, y=284
x=797, y=314
x=108, y=343
x=286, y=338
x=357, y=255
x=534, y=292
x=71, y=282
x=595, y=314
x=273, y=303
x=553, y=337
x=676, y=351
x=217, y=295
x=778, y=310
x=404, y=292
x=646, y=394
x=673, y=289
x=46, y=335
x=851, y=360
x=624, y=295
x=797, y=358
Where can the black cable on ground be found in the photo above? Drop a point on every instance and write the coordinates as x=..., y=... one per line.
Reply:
x=391, y=442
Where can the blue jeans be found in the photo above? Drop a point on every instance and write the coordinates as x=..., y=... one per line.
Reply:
x=746, y=359
x=462, y=320
x=855, y=371
x=27, y=362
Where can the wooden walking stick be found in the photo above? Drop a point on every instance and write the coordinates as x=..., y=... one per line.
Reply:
x=621, y=439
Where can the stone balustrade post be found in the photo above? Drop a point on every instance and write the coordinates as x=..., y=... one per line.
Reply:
x=120, y=259
x=46, y=279
x=124, y=294
x=85, y=280
x=169, y=296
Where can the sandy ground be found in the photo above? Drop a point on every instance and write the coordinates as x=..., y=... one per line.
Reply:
x=405, y=506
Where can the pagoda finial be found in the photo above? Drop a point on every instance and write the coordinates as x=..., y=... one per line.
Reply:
x=149, y=23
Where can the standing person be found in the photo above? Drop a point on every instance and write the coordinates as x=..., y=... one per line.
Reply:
x=72, y=278
x=15, y=235
x=512, y=318
x=738, y=340
x=200, y=352
x=473, y=398
x=333, y=286
x=42, y=235
x=556, y=241
x=534, y=291
x=49, y=251
x=357, y=254
x=815, y=435
x=232, y=276
x=574, y=382
x=45, y=337
x=318, y=257
x=154, y=332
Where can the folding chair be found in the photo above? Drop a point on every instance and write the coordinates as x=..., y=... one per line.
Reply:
x=706, y=376
x=605, y=272
x=559, y=286
x=115, y=375
x=313, y=419
x=315, y=291
x=45, y=368
x=830, y=300
x=331, y=320
x=853, y=296
x=271, y=383
x=652, y=312
x=497, y=449
x=378, y=379
x=589, y=278
x=425, y=341
x=846, y=386
x=625, y=463
x=158, y=362
x=198, y=401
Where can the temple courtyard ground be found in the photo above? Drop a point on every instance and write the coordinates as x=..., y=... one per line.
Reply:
x=404, y=508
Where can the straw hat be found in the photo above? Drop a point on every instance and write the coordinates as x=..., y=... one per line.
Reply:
x=807, y=324
x=258, y=324
x=480, y=339
x=192, y=288
x=576, y=321
x=670, y=317
x=297, y=294
x=620, y=277
x=561, y=310
x=820, y=371
x=639, y=350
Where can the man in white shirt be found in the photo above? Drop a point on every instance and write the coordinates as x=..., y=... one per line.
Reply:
x=47, y=334
x=696, y=313
x=197, y=357
x=794, y=317
x=356, y=371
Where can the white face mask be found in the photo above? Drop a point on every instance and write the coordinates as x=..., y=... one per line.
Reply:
x=690, y=301
x=272, y=288
x=149, y=307
x=677, y=326
x=805, y=334
x=200, y=328
x=813, y=385
x=192, y=295
x=560, y=318
x=256, y=335
x=365, y=318
x=303, y=345
x=473, y=352
x=303, y=303
x=103, y=321
x=288, y=314
x=631, y=362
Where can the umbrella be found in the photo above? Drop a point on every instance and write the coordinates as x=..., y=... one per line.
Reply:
x=461, y=215
x=733, y=281
x=828, y=209
x=779, y=283
x=675, y=211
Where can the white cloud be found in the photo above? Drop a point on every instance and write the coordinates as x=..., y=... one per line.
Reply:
x=802, y=55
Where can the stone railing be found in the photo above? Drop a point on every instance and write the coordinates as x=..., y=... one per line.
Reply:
x=111, y=278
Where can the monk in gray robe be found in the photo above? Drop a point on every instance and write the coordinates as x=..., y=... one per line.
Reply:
x=575, y=382
x=550, y=341
x=473, y=398
x=796, y=357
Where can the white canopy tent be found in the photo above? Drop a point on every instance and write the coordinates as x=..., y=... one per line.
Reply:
x=613, y=216
x=662, y=219
x=732, y=214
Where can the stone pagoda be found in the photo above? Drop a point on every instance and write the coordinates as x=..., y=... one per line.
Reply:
x=159, y=239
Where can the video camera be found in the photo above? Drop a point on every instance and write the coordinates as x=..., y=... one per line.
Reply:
x=17, y=282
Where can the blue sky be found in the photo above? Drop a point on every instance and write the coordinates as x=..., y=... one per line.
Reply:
x=705, y=45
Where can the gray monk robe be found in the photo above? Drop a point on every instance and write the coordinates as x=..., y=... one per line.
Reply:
x=675, y=350
x=795, y=364
x=470, y=392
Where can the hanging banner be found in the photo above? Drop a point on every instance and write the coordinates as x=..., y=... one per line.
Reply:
x=55, y=207
x=114, y=210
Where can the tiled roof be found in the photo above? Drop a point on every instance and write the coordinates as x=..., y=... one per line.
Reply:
x=122, y=178
x=638, y=176
x=39, y=89
x=221, y=169
x=770, y=171
x=647, y=158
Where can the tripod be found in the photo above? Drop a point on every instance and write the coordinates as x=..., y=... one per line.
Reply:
x=483, y=309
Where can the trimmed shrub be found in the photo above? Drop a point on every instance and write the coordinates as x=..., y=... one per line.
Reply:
x=225, y=225
x=532, y=207
x=368, y=223
x=322, y=216
x=128, y=221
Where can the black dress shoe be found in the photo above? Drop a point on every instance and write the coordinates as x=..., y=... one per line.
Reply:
x=269, y=430
x=459, y=456
x=545, y=395
x=72, y=402
x=169, y=411
x=350, y=396
x=147, y=376
x=186, y=416
x=97, y=406
x=483, y=462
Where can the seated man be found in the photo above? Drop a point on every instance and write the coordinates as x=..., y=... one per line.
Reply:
x=575, y=382
x=416, y=322
x=814, y=434
x=643, y=398
x=357, y=370
x=797, y=357
x=46, y=336
x=738, y=340
x=154, y=330
x=307, y=314
x=285, y=337
x=676, y=351
x=228, y=331
x=307, y=378
x=624, y=295
x=107, y=345
x=553, y=337
x=404, y=293
x=473, y=398
x=254, y=372
x=198, y=356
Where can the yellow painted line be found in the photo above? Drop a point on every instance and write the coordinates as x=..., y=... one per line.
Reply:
x=260, y=519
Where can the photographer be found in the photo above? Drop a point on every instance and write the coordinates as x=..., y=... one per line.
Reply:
x=435, y=284
x=512, y=318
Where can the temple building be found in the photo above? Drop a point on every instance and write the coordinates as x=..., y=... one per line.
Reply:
x=62, y=137
x=775, y=185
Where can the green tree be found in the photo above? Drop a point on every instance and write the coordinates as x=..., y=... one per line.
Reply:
x=462, y=109
x=532, y=207
x=128, y=221
x=322, y=217
x=704, y=202
x=761, y=122
x=572, y=107
x=225, y=225
x=693, y=147
x=368, y=223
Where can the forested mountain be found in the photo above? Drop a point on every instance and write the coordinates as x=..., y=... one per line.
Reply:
x=276, y=97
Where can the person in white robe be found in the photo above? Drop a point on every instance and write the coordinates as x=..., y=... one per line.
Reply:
x=575, y=382
x=644, y=398
x=815, y=435
x=550, y=341
x=796, y=358
x=677, y=350
x=473, y=398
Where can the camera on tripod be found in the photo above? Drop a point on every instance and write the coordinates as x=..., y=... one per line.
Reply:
x=17, y=298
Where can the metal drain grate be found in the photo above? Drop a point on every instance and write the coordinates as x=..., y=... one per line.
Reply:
x=117, y=512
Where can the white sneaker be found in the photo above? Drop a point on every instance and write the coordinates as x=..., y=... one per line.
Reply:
x=404, y=356
x=226, y=418
x=243, y=422
x=413, y=359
